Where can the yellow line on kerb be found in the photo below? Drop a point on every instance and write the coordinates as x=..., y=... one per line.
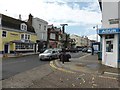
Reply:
x=61, y=69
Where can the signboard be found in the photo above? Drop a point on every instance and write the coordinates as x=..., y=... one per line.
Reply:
x=114, y=21
x=109, y=31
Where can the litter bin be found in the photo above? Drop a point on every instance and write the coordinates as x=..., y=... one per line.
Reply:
x=99, y=55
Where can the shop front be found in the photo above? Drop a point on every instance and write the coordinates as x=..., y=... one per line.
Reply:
x=110, y=46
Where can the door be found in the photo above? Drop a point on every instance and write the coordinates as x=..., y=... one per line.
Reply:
x=110, y=51
x=6, y=48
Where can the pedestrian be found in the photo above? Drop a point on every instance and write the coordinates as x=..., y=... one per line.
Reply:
x=63, y=57
x=92, y=50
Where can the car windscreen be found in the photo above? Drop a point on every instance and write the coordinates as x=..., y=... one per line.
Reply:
x=47, y=51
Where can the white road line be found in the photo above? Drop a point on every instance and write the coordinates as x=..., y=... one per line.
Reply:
x=15, y=62
x=111, y=73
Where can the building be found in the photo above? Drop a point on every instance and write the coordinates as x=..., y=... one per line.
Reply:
x=110, y=33
x=54, y=37
x=80, y=41
x=40, y=27
x=17, y=36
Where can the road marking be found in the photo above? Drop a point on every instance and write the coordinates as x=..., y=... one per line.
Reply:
x=107, y=77
x=112, y=73
x=15, y=62
x=61, y=69
x=84, y=56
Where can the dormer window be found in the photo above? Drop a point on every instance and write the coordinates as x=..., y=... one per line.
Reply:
x=23, y=26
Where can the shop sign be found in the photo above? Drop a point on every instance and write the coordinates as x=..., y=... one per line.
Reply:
x=114, y=21
x=109, y=31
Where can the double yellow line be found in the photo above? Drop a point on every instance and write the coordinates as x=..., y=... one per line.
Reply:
x=61, y=69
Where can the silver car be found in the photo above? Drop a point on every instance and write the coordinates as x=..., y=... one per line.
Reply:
x=49, y=54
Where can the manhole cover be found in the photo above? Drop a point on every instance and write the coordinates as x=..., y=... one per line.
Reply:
x=80, y=65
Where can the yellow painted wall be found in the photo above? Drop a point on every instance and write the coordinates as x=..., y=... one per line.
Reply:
x=11, y=36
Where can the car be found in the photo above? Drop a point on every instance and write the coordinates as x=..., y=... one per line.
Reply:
x=89, y=50
x=49, y=54
x=84, y=49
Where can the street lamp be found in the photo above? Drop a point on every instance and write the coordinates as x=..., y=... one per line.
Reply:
x=96, y=32
x=64, y=36
x=63, y=27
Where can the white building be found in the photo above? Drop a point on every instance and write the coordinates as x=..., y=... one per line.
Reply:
x=40, y=27
x=80, y=41
x=110, y=33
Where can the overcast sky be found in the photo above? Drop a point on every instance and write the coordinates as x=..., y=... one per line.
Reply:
x=80, y=15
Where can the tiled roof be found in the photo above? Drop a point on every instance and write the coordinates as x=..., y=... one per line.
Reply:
x=13, y=23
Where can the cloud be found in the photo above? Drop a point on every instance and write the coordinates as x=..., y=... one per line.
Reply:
x=53, y=12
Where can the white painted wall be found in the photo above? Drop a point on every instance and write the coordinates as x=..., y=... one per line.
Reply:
x=41, y=32
x=110, y=11
x=110, y=58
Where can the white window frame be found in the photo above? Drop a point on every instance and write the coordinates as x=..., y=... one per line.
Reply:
x=23, y=27
x=23, y=36
x=52, y=36
x=5, y=35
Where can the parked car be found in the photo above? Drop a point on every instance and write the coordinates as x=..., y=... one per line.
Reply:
x=49, y=54
x=84, y=49
x=89, y=50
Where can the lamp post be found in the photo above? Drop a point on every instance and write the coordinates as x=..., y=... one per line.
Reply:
x=96, y=32
x=64, y=40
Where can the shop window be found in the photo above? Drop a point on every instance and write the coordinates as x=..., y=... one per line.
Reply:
x=109, y=46
x=4, y=34
x=111, y=36
x=119, y=49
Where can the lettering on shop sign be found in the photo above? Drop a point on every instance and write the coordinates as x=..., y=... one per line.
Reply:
x=109, y=31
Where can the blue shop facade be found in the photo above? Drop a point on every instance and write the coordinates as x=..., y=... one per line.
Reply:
x=110, y=41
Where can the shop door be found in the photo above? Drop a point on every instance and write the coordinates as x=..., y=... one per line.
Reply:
x=110, y=55
x=6, y=48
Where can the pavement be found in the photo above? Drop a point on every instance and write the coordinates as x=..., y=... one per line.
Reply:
x=17, y=55
x=88, y=64
x=83, y=72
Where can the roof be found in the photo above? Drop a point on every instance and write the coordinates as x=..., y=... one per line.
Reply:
x=13, y=23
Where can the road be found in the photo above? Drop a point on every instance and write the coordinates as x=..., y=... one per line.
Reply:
x=13, y=66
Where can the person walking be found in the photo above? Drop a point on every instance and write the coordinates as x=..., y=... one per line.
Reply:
x=92, y=50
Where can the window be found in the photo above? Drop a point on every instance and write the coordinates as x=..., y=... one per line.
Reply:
x=109, y=46
x=109, y=36
x=28, y=37
x=39, y=26
x=4, y=34
x=23, y=26
x=22, y=36
x=44, y=27
x=52, y=36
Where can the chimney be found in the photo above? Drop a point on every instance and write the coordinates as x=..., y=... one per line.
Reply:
x=20, y=17
x=30, y=19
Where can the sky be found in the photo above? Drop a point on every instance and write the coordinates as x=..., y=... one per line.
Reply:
x=80, y=15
